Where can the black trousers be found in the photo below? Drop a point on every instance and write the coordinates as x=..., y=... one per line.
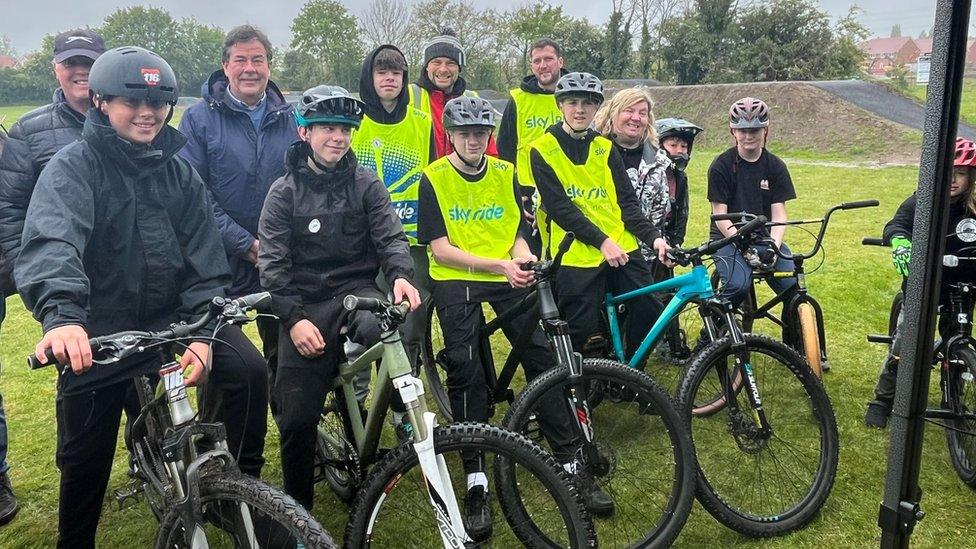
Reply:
x=466, y=385
x=302, y=384
x=88, y=427
x=268, y=329
x=581, y=292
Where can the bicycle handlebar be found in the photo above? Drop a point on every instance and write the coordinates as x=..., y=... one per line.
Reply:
x=871, y=241
x=122, y=344
x=684, y=256
x=545, y=269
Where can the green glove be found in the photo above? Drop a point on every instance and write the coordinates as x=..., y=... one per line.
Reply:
x=901, y=254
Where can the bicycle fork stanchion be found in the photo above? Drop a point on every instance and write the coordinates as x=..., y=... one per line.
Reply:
x=900, y=508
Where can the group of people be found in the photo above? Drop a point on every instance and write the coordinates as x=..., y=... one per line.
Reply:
x=111, y=219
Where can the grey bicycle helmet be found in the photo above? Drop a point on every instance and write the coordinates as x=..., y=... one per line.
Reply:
x=328, y=104
x=579, y=83
x=465, y=111
x=676, y=127
x=748, y=112
x=131, y=71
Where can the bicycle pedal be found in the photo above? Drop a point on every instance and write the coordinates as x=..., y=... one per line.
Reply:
x=122, y=495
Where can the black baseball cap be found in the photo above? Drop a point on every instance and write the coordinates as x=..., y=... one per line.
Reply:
x=77, y=42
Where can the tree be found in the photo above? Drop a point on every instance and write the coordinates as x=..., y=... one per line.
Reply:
x=579, y=39
x=7, y=47
x=616, y=47
x=329, y=42
x=896, y=31
x=645, y=52
x=389, y=22
x=530, y=23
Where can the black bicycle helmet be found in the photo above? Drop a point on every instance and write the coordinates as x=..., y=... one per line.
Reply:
x=468, y=112
x=676, y=127
x=328, y=104
x=131, y=71
x=579, y=83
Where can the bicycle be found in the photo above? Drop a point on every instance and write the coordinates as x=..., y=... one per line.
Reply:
x=801, y=319
x=740, y=403
x=955, y=357
x=182, y=466
x=531, y=491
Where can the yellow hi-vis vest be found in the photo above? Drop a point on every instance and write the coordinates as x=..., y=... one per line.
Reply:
x=398, y=153
x=591, y=189
x=481, y=217
x=534, y=112
x=420, y=98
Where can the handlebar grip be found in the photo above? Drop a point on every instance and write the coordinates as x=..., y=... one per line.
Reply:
x=734, y=216
x=403, y=307
x=566, y=242
x=355, y=303
x=35, y=364
x=259, y=301
x=751, y=226
x=872, y=241
x=859, y=204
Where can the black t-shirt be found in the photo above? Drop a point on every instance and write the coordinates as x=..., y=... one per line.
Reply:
x=632, y=157
x=751, y=187
x=431, y=226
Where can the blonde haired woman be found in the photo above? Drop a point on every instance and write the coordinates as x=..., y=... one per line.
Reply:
x=628, y=121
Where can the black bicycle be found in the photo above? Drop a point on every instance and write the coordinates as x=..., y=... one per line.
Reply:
x=190, y=480
x=955, y=356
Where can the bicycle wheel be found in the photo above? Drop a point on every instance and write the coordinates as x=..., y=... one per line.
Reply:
x=240, y=511
x=645, y=454
x=434, y=369
x=761, y=485
x=334, y=461
x=961, y=399
x=809, y=336
x=533, y=503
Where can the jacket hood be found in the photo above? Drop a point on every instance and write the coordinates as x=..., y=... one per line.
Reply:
x=296, y=165
x=367, y=92
x=424, y=82
x=132, y=158
x=214, y=92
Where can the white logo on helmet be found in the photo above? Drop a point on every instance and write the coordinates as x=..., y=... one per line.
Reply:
x=966, y=230
x=82, y=38
x=151, y=76
x=314, y=226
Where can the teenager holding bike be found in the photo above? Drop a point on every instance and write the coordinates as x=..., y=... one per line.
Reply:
x=584, y=188
x=748, y=178
x=326, y=230
x=471, y=215
x=960, y=242
x=120, y=235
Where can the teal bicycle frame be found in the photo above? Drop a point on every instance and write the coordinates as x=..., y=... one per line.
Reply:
x=692, y=286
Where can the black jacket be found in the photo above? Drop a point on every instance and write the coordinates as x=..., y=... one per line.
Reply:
x=119, y=237
x=560, y=209
x=323, y=235
x=34, y=139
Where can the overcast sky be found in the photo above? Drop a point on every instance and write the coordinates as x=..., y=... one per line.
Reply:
x=26, y=21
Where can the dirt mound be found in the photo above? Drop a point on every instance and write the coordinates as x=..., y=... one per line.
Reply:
x=805, y=120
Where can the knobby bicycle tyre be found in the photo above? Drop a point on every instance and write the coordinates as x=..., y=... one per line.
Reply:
x=758, y=485
x=434, y=371
x=279, y=521
x=809, y=336
x=332, y=447
x=521, y=470
x=638, y=430
x=961, y=398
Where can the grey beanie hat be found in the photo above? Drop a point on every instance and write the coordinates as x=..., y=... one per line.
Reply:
x=446, y=44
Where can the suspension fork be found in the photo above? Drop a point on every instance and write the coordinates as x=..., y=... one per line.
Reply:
x=743, y=367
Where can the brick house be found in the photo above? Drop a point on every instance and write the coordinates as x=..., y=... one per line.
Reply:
x=884, y=53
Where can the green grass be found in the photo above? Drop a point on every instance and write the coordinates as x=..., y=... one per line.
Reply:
x=11, y=113
x=854, y=286
x=967, y=106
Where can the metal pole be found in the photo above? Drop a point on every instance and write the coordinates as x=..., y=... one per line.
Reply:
x=900, y=508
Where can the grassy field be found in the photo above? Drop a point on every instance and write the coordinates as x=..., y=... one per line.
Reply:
x=967, y=107
x=854, y=286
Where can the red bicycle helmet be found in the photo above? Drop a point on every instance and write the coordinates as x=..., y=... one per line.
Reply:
x=748, y=112
x=965, y=153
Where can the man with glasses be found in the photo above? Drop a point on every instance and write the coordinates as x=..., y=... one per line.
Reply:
x=33, y=140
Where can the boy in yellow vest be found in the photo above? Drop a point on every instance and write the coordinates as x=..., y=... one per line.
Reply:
x=471, y=216
x=584, y=188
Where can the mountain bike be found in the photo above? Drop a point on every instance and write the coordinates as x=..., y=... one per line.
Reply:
x=763, y=428
x=801, y=319
x=955, y=356
x=190, y=480
x=407, y=496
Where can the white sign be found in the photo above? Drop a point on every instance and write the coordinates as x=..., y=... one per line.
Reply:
x=922, y=69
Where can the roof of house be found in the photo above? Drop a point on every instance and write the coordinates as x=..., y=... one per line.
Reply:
x=881, y=46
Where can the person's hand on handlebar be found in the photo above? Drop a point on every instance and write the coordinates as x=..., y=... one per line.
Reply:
x=517, y=277
x=307, y=339
x=901, y=254
x=195, y=358
x=662, y=248
x=404, y=291
x=69, y=343
x=613, y=253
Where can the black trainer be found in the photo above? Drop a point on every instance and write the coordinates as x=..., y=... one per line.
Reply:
x=477, y=514
x=8, y=501
x=877, y=414
x=597, y=502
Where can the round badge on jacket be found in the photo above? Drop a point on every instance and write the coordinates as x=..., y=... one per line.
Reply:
x=314, y=225
x=966, y=230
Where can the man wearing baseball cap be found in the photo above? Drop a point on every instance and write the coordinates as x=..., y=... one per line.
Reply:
x=33, y=140
x=440, y=81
